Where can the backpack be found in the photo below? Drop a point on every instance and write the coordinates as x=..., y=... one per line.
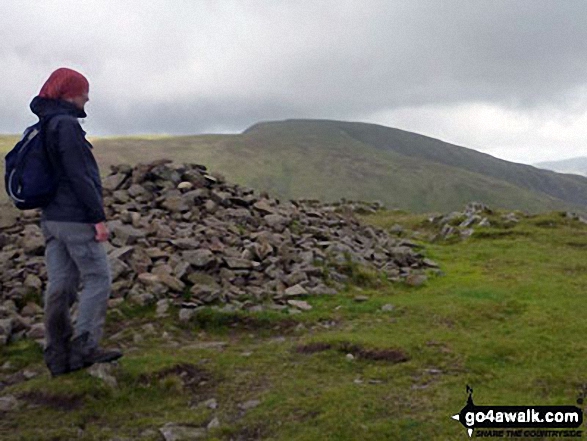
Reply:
x=30, y=175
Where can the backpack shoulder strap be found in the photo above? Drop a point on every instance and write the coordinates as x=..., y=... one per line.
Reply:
x=50, y=125
x=55, y=120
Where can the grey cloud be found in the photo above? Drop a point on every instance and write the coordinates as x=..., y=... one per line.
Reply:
x=186, y=117
x=186, y=67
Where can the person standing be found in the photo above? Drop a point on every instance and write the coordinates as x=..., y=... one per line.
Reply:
x=74, y=227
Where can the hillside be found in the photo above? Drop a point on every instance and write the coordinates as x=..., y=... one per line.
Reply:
x=330, y=160
x=576, y=166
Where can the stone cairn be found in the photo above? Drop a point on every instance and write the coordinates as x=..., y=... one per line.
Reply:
x=182, y=236
x=463, y=224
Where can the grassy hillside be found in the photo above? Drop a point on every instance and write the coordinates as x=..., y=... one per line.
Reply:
x=504, y=319
x=330, y=160
x=566, y=187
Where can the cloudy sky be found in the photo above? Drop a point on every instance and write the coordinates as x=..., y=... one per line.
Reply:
x=508, y=78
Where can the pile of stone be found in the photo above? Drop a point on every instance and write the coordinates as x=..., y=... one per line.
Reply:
x=575, y=216
x=462, y=224
x=181, y=235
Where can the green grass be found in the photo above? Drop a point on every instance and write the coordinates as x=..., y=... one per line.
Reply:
x=506, y=318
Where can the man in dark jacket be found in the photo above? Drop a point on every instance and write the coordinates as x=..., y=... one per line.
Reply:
x=74, y=228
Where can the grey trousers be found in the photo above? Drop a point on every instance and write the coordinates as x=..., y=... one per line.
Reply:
x=73, y=257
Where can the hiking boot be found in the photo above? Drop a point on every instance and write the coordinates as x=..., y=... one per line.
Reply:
x=103, y=356
x=83, y=356
x=56, y=361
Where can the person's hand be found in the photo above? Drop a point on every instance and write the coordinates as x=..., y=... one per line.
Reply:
x=101, y=232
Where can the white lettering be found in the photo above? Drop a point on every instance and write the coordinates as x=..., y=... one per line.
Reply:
x=536, y=417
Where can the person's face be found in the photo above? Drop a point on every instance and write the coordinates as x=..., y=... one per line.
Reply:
x=80, y=100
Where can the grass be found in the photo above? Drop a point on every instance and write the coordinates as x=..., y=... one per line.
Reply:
x=505, y=318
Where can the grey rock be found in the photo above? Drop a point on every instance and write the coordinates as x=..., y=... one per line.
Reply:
x=33, y=282
x=250, y=404
x=36, y=332
x=236, y=263
x=172, y=282
x=300, y=304
x=105, y=372
x=31, y=309
x=447, y=231
x=185, y=186
x=162, y=307
x=8, y=403
x=122, y=253
x=126, y=235
x=117, y=268
x=6, y=326
x=186, y=243
x=467, y=233
x=220, y=197
x=34, y=244
x=177, y=204
x=176, y=432
x=484, y=223
x=113, y=182
x=199, y=258
x=469, y=221
x=121, y=197
x=156, y=253
x=136, y=190
x=510, y=217
x=185, y=314
x=148, y=279
x=263, y=207
x=430, y=263
x=215, y=423
x=296, y=290
x=296, y=278
x=141, y=299
x=210, y=206
x=275, y=220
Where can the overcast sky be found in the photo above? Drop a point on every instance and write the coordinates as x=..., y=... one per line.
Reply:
x=508, y=78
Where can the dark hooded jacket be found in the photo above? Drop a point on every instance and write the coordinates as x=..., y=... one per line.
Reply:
x=79, y=192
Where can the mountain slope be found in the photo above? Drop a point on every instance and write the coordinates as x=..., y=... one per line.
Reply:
x=330, y=160
x=576, y=166
x=569, y=188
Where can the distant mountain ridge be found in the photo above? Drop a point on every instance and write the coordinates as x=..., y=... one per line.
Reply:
x=576, y=165
x=330, y=160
